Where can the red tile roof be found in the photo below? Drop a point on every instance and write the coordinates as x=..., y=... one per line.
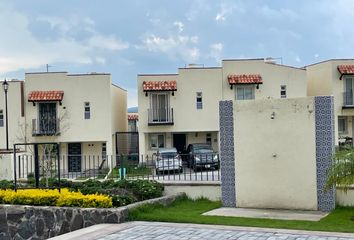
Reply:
x=160, y=86
x=346, y=69
x=244, y=79
x=42, y=96
x=133, y=117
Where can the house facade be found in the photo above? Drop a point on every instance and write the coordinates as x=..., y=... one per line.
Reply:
x=335, y=77
x=16, y=112
x=80, y=112
x=179, y=109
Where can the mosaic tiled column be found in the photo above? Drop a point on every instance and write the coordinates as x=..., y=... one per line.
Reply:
x=227, y=154
x=324, y=117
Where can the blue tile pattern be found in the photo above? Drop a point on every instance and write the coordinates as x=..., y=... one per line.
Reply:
x=227, y=154
x=324, y=117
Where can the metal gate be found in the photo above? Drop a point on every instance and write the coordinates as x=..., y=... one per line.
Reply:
x=127, y=144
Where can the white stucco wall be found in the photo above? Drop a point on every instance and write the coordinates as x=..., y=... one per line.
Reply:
x=273, y=76
x=15, y=117
x=209, y=190
x=275, y=158
x=345, y=198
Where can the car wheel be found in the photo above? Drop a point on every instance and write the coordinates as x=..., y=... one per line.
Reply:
x=157, y=172
x=181, y=170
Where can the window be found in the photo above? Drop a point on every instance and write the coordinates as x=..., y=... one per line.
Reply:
x=283, y=91
x=157, y=141
x=199, y=100
x=1, y=118
x=87, y=110
x=208, y=138
x=348, y=91
x=245, y=92
x=104, y=151
x=342, y=125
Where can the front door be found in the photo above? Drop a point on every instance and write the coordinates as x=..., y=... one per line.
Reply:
x=179, y=142
x=74, y=157
x=47, y=118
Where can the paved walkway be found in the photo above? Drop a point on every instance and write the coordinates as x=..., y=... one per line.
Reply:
x=268, y=213
x=174, y=231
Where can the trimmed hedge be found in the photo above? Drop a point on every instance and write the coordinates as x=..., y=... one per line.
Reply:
x=122, y=192
x=45, y=197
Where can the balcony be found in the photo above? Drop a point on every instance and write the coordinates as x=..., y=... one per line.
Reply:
x=45, y=127
x=348, y=101
x=160, y=116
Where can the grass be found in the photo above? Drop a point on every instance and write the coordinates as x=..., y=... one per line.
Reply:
x=132, y=171
x=185, y=210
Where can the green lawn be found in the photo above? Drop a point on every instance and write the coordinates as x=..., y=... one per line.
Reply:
x=132, y=171
x=185, y=210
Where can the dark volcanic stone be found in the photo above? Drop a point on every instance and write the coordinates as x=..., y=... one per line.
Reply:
x=113, y=218
x=68, y=214
x=15, y=214
x=39, y=226
x=48, y=217
x=3, y=221
x=77, y=223
x=88, y=223
x=25, y=230
x=29, y=213
x=65, y=228
x=4, y=236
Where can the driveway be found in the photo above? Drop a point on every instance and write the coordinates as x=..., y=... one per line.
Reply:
x=175, y=231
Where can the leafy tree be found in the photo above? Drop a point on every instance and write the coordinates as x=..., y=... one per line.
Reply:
x=341, y=172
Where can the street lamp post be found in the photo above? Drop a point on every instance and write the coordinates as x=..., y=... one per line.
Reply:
x=5, y=85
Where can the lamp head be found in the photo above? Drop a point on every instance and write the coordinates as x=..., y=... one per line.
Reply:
x=5, y=85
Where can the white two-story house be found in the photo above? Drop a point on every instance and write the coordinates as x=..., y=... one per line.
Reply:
x=81, y=112
x=335, y=77
x=179, y=109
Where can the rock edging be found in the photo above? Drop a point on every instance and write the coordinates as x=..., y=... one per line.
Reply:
x=42, y=222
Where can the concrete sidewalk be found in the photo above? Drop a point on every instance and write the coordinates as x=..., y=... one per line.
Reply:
x=268, y=213
x=179, y=231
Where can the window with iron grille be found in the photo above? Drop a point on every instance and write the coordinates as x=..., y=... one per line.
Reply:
x=104, y=151
x=87, y=110
x=283, y=91
x=199, y=100
x=342, y=125
x=1, y=118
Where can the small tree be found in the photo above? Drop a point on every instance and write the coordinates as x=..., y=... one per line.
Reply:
x=341, y=172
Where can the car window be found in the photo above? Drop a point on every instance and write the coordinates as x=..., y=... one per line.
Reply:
x=168, y=154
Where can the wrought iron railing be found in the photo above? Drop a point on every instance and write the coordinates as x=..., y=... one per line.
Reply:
x=160, y=116
x=45, y=127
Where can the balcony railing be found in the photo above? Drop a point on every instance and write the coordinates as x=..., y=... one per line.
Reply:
x=45, y=127
x=348, y=99
x=160, y=116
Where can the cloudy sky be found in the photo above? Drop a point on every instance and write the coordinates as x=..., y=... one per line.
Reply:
x=130, y=37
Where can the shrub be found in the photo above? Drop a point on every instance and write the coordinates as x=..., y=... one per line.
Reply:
x=54, y=198
x=4, y=184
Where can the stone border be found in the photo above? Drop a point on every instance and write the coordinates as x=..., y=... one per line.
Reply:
x=227, y=154
x=324, y=121
x=42, y=222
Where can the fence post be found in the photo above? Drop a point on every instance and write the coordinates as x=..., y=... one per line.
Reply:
x=36, y=165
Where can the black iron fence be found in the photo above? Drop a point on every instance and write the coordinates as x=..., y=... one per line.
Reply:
x=198, y=167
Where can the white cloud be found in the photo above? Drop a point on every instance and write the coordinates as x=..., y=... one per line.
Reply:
x=106, y=42
x=100, y=60
x=175, y=46
x=316, y=55
x=216, y=51
x=20, y=48
x=297, y=59
x=179, y=25
x=226, y=10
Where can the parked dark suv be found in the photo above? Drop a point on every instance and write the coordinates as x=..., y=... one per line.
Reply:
x=202, y=156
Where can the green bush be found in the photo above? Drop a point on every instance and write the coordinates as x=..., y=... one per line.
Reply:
x=4, y=184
